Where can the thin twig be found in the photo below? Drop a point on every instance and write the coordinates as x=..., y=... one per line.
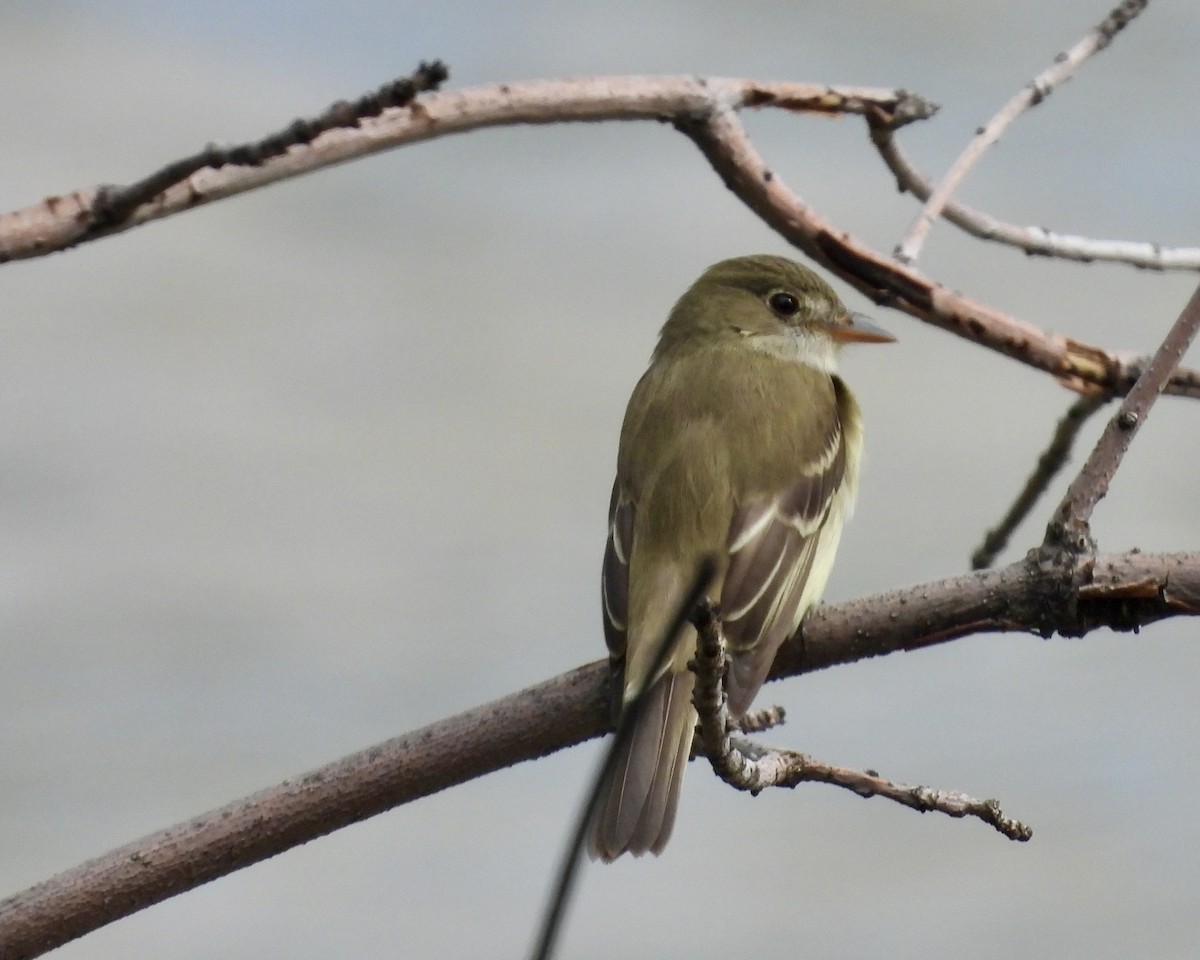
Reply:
x=1030, y=96
x=794, y=768
x=1071, y=520
x=752, y=767
x=1035, y=241
x=569, y=866
x=1052, y=460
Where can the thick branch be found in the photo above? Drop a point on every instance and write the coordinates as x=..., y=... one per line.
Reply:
x=1126, y=592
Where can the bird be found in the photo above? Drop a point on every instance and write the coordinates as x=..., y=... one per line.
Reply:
x=739, y=442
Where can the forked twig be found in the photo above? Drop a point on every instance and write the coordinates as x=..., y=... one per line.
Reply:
x=1070, y=526
x=753, y=767
x=1036, y=241
x=1064, y=564
x=1030, y=96
x=345, y=132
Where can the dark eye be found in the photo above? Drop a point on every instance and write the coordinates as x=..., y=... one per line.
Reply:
x=783, y=304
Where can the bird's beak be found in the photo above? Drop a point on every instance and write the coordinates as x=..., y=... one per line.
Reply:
x=858, y=329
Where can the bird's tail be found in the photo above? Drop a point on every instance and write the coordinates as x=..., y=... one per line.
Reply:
x=637, y=805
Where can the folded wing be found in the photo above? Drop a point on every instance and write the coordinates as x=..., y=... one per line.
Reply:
x=775, y=573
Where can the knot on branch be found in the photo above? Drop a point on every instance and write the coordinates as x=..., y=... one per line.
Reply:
x=1059, y=568
x=694, y=124
x=884, y=118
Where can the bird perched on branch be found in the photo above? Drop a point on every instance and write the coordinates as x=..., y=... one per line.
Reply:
x=741, y=442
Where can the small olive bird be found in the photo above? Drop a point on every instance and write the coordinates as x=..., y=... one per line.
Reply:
x=740, y=442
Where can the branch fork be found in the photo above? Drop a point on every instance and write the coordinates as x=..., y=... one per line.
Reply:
x=753, y=767
x=1068, y=550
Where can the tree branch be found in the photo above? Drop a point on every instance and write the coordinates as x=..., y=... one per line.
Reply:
x=1033, y=94
x=1068, y=546
x=704, y=109
x=114, y=204
x=1077, y=365
x=753, y=767
x=1090, y=486
x=1126, y=592
x=787, y=768
x=60, y=222
x=1053, y=459
x=1036, y=241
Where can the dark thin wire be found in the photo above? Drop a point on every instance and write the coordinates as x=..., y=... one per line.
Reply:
x=569, y=868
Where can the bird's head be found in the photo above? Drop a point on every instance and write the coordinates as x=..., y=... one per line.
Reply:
x=770, y=304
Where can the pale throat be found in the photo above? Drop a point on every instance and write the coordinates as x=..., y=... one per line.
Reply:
x=799, y=346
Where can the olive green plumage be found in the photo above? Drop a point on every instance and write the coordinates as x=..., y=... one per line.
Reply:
x=739, y=441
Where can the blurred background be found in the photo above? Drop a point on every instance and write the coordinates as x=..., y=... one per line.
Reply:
x=297, y=472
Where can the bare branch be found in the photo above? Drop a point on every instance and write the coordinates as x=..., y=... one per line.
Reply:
x=1070, y=526
x=753, y=767
x=702, y=108
x=114, y=204
x=1126, y=592
x=1052, y=460
x=59, y=222
x=1077, y=365
x=786, y=768
x=1036, y=241
x=1033, y=94
x=1064, y=562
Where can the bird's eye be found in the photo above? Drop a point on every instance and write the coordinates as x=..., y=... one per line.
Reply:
x=783, y=304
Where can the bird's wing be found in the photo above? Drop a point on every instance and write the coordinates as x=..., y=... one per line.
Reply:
x=771, y=581
x=614, y=578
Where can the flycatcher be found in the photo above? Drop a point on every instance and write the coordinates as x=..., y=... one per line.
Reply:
x=740, y=442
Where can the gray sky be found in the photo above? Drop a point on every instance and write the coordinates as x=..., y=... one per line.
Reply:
x=303, y=470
